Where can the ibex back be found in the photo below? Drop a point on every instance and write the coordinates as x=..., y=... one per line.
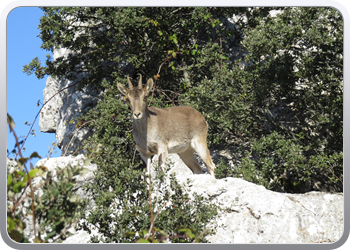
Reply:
x=156, y=131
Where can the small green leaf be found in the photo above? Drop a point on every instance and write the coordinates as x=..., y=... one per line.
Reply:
x=23, y=160
x=142, y=240
x=35, y=155
x=190, y=234
x=87, y=162
x=41, y=172
x=65, y=172
x=10, y=121
x=18, y=186
x=33, y=172
x=75, y=198
x=20, y=173
x=9, y=180
x=15, y=235
x=10, y=224
x=50, y=234
x=129, y=234
x=55, y=192
x=182, y=230
x=84, y=171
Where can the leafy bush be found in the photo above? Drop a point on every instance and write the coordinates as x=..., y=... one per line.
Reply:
x=297, y=69
x=54, y=209
x=283, y=165
x=222, y=169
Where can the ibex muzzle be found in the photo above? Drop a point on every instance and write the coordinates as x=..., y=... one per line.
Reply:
x=156, y=131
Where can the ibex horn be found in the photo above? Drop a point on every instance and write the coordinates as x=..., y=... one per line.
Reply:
x=130, y=83
x=140, y=82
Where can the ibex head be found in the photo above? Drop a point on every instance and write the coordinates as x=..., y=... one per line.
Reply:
x=137, y=96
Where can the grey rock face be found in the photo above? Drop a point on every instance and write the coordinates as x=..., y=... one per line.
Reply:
x=252, y=214
x=64, y=107
x=50, y=116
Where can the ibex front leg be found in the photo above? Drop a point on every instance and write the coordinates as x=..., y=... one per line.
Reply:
x=147, y=160
x=162, y=155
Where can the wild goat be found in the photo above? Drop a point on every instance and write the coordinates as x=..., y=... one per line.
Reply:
x=156, y=131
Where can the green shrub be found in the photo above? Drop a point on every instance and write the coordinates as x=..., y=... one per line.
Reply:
x=284, y=165
x=56, y=208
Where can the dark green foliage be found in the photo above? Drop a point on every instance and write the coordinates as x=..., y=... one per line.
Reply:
x=224, y=102
x=297, y=64
x=223, y=170
x=283, y=165
x=114, y=41
x=293, y=87
x=56, y=209
x=183, y=235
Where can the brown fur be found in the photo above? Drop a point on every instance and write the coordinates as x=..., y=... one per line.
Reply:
x=178, y=129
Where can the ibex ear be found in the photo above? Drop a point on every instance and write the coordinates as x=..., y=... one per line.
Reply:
x=122, y=89
x=149, y=86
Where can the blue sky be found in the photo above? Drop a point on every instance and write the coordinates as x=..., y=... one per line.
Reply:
x=23, y=92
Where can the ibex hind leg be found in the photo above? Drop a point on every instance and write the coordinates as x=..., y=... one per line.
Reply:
x=188, y=158
x=200, y=145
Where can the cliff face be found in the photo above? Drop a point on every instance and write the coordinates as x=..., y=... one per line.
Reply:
x=64, y=107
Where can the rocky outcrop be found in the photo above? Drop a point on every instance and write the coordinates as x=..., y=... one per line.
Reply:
x=252, y=214
x=249, y=213
x=64, y=107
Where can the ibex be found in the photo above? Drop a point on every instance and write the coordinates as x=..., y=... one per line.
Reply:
x=156, y=131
